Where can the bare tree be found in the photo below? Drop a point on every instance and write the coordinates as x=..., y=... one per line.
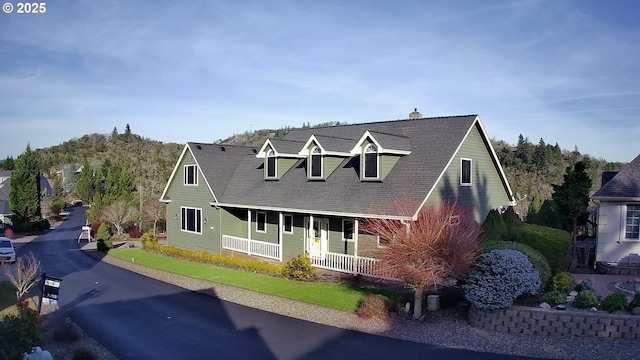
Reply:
x=438, y=245
x=25, y=274
x=154, y=210
x=118, y=214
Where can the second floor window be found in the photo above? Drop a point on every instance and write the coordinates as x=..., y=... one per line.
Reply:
x=370, y=162
x=465, y=172
x=316, y=163
x=271, y=165
x=191, y=174
x=632, y=223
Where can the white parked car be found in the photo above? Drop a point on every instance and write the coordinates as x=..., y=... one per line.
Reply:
x=7, y=250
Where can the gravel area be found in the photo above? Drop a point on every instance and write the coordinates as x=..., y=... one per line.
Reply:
x=445, y=328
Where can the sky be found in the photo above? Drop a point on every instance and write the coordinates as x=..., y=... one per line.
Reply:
x=177, y=71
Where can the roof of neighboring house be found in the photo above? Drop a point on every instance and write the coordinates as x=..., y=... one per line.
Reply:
x=4, y=189
x=625, y=186
x=4, y=208
x=236, y=175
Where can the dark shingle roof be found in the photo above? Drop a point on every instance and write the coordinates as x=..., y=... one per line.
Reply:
x=236, y=176
x=626, y=184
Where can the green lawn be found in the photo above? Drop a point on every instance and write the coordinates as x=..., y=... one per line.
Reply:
x=327, y=294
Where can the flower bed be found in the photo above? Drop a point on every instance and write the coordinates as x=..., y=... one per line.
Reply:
x=535, y=321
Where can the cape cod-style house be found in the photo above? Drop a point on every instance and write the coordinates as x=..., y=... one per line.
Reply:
x=310, y=191
x=619, y=216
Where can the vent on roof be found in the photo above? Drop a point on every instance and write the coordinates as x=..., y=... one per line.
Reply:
x=255, y=151
x=198, y=147
x=222, y=148
x=415, y=114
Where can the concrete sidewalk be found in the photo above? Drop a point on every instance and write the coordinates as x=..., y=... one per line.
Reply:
x=605, y=283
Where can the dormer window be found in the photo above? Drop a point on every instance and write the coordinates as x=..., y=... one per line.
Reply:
x=270, y=165
x=370, y=165
x=465, y=172
x=315, y=170
x=191, y=175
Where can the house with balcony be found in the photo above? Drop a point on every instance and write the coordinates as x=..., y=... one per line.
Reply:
x=311, y=190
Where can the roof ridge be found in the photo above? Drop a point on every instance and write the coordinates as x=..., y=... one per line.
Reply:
x=391, y=121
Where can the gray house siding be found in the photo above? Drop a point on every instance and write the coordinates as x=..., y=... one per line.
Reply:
x=487, y=190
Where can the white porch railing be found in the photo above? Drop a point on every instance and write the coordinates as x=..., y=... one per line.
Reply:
x=251, y=247
x=350, y=264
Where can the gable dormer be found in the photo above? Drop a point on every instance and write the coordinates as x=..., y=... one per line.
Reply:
x=324, y=154
x=378, y=153
x=278, y=158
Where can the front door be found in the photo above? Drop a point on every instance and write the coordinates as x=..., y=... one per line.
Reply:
x=318, y=237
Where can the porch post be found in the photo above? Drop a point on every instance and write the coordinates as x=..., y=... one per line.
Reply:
x=310, y=235
x=280, y=230
x=355, y=238
x=249, y=224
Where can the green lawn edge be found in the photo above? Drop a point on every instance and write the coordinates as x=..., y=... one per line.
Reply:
x=326, y=294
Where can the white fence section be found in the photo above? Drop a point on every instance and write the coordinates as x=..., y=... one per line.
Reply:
x=251, y=247
x=350, y=264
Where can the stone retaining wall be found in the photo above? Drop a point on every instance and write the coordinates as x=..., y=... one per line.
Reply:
x=534, y=321
x=618, y=270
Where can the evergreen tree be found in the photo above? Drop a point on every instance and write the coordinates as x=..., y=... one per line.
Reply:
x=114, y=133
x=512, y=222
x=8, y=163
x=127, y=130
x=534, y=208
x=548, y=215
x=494, y=227
x=572, y=196
x=103, y=238
x=85, y=186
x=24, y=195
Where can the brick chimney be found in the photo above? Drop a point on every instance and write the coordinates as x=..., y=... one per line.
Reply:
x=415, y=114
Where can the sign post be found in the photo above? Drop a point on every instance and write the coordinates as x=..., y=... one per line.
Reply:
x=50, y=289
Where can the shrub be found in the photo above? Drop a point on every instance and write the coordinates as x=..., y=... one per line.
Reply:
x=513, y=223
x=8, y=232
x=42, y=224
x=103, y=238
x=498, y=277
x=586, y=299
x=494, y=228
x=554, y=297
x=554, y=244
x=536, y=259
x=562, y=282
x=616, y=301
x=148, y=238
x=586, y=284
x=374, y=307
x=204, y=256
x=635, y=302
x=95, y=225
x=84, y=354
x=299, y=268
x=19, y=332
x=57, y=206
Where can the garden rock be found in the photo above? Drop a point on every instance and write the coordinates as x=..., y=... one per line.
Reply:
x=544, y=305
x=593, y=309
x=635, y=311
x=573, y=293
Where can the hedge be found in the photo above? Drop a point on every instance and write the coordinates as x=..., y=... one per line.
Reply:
x=554, y=244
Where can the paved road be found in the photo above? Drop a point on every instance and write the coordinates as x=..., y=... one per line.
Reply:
x=136, y=317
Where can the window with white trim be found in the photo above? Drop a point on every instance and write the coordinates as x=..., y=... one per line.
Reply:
x=270, y=165
x=315, y=161
x=347, y=229
x=261, y=222
x=191, y=174
x=632, y=222
x=465, y=172
x=370, y=166
x=191, y=219
x=287, y=225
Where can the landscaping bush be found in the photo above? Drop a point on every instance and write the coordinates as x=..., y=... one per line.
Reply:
x=513, y=223
x=204, y=256
x=562, y=282
x=19, y=333
x=148, y=238
x=494, y=228
x=616, y=301
x=586, y=284
x=498, y=277
x=42, y=224
x=536, y=259
x=374, y=307
x=554, y=297
x=134, y=232
x=57, y=206
x=299, y=268
x=95, y=225
x=586, y=299
x=554, y=244
x=103, y=238
x=635, y=302
x=8, y=232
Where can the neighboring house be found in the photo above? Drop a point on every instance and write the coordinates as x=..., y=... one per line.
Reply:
x=619, y=216
x=5, y=211
x=310, y=191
